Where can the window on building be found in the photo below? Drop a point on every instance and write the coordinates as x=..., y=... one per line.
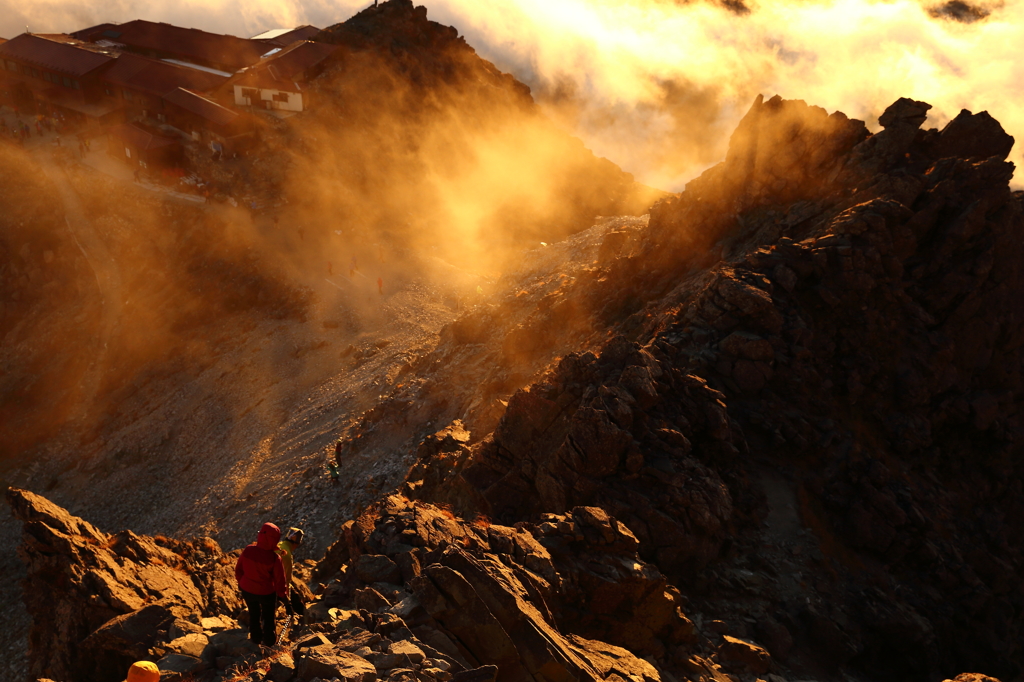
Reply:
x=127, y=94
x=11, y=66
x=76, y=85
x=281, y=97
x=67, y=82
x=251, y=94
x=162, y=118
x=35, y=73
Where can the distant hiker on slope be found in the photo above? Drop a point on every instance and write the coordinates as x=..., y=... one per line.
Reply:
x=260, y=576
x=292, y=539
x=143, y=671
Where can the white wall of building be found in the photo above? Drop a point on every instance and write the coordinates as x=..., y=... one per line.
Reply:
x=267, y=101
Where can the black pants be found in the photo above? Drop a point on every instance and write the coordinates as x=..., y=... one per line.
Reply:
x=261, y=617
x=296, y=601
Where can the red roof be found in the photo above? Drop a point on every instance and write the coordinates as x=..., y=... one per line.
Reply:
x=190, y=44
x=139, y=138
x=158, y=78
x=200, y=106
x=55, y=53
x=289, y=65
x=92, y=33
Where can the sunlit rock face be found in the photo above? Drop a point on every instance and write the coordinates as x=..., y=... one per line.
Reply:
x=99, y=601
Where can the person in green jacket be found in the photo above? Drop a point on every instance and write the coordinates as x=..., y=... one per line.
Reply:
x=292, y=539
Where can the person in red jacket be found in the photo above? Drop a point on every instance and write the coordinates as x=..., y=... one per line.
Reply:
x=260, y=576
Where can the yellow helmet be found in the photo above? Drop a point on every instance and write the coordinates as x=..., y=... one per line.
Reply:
x=143, y=671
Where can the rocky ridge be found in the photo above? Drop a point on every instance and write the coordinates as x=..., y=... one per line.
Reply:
x=836, y=306
x=805, y=419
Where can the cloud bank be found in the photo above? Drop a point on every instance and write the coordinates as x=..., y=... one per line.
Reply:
x=658, y=86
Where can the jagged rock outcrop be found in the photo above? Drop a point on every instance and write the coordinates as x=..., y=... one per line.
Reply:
x=411, y=593
x=577, y=573
x=839, y=306
x=623, y=446
x=99, y=601
x=469, y=602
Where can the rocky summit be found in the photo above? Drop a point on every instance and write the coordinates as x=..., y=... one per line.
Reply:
x=786, y=446
x=807, y=413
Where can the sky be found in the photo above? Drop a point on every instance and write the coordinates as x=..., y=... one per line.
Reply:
x=658, y=85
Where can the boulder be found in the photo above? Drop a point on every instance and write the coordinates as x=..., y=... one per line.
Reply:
x=316, y=639
x=904, y=111
x=384, y=662
x=233, y=643
x=377, y=568
x=357, y=638
x=191, y=645
x=282, y=669
x=174, y=666
x=130, y=635
x=740, y=655
x=327, y=662
x=612, y=662
x=217, y=624
x=407, y=649
x=369, y=599
x=973, y=136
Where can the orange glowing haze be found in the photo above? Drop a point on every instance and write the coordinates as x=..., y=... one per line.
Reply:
x=657, y=85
